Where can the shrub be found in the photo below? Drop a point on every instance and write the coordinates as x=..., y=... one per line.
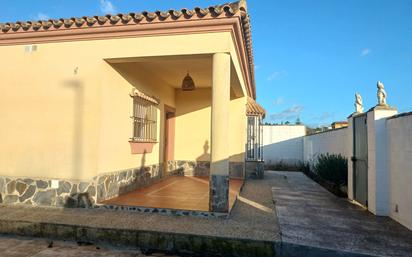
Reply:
x=332, y=168
x=284, y=166
x=304, y=167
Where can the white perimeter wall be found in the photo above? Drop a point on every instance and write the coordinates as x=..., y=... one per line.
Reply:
x=400, y=169
x=289, y=144
x=283, y=143
x=332, y=142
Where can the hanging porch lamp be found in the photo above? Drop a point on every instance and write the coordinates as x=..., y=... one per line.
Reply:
x=188, y=84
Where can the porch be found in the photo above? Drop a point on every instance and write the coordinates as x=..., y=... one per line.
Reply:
x=181, y=149
x=177, y=193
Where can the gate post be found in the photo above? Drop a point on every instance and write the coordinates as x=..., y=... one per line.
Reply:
x=350, y=162
x=378, y=168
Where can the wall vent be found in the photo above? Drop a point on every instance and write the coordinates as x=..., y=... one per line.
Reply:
x=30, y=48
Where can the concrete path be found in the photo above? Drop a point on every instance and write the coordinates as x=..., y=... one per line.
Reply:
x=314, y=222
x=30, y=247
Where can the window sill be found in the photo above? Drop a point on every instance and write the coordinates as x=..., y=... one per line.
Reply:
x=137, y=147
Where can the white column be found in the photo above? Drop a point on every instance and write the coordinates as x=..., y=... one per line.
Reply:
x=219, y=166
x=378, y=168
x=350, y=154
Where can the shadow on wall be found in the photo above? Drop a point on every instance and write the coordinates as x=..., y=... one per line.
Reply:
x=117, y=183
x=202, y=166
x=284, y=153
x=77, y=161
x=186, y=103
x=81, y=195
x=137, y=178
x=136, y=76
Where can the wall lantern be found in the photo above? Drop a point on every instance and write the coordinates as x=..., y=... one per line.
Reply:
x=188, y=84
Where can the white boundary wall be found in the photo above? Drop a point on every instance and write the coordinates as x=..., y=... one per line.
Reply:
x=290, y=144
x=283, y=143
x=390, y=157
x=332, y=142
x=400, y=163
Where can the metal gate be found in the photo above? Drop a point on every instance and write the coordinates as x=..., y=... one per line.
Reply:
x=360, y=159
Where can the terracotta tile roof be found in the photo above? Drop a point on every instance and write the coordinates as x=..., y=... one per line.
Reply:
x=219, y=11
x=253, y=108
x=228, y=9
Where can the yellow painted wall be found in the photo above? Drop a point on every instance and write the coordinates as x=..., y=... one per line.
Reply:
x=48, y=115
x=237, y=126
x=193, y=126
x=54, y=128
x=116, y=125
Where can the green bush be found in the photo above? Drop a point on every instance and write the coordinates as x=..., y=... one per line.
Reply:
x=284, y=166
x=304, y=167
x=332, y=168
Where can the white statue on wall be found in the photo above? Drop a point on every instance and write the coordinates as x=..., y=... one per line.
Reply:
x=358, y=103
x=381, y=94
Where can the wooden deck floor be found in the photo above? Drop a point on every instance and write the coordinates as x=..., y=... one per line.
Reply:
x=180, y=193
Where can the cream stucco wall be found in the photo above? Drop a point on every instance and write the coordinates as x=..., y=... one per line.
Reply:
x=115, y=123
x=193, y=126
x=64, y=110
x=193, y=112
x=237, y=128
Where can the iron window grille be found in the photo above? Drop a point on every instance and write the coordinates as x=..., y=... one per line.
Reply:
x=144, y=120
x=254, y=146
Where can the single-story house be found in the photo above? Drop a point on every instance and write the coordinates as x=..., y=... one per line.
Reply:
x=94, y=108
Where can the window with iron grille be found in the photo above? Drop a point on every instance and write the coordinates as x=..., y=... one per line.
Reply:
x=254, y=147
x=144, y=120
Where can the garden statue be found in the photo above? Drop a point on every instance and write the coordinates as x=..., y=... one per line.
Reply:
x=381, y=94
x=359, y=103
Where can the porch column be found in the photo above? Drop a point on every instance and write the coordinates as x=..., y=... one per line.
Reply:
x=219, y=166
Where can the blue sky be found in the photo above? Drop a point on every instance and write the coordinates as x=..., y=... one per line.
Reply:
x=311, y=56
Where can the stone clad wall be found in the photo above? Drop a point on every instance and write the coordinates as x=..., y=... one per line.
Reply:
x=116, y=183
x=86, y=194
x=40, y=192
x=76, y=194
x=202, y=168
